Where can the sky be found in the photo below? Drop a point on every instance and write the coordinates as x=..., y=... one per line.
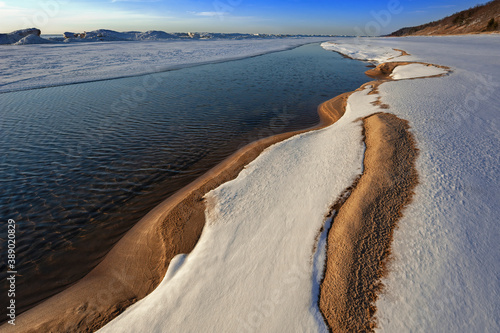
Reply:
x=363, y=17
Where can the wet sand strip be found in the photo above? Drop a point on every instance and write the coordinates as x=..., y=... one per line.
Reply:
x=359, y=240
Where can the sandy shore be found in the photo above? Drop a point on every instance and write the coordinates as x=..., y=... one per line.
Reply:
x=139, y=261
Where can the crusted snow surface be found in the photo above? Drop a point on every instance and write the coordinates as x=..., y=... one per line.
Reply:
x=34, y=66
x=254, y=267
x=445, y=276
x=416, y=71
x=362, y=49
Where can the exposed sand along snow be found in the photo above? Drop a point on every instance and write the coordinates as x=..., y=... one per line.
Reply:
x=360, y=237
x=250, y=270
x=359, y=241
x=444, y=273
x=401, y=70
x=413, y=71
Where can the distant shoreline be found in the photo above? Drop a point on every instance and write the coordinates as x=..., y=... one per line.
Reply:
x=81, y=69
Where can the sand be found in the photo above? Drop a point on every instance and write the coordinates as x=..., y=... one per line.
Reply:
x=360, y=237
x=383, y=71
x=138, y=262
x=366, y=214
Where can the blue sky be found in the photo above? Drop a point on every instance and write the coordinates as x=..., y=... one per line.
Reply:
x=365, y=17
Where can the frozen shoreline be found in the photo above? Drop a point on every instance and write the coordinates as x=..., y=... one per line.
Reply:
x=444, y=275
x=46, y=65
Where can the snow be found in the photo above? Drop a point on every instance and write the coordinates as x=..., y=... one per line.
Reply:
x=262, y=226
x=446, y=272
x=17, y=35
x=110, y=35
x=32, y=39
x=34, y=66
x=416, y=71
x=254, y=268
x=360, y=49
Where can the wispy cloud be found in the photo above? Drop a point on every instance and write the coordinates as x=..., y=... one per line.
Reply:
x=8, y=10
x=441, y=6
x=209, y=14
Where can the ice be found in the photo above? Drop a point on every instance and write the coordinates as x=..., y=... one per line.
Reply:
x=110, y=35
x=362, y=49
x=34, y=66
x=17, y=35
x=32, y=39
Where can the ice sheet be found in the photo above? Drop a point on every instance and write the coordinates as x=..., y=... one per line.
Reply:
x=42, y=65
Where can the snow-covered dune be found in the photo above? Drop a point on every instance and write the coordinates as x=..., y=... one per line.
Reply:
x=253, y=268
x=35, y=66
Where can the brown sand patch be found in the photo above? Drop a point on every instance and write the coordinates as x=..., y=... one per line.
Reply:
x=403, y=52
x=138, y=262
x=360, y=237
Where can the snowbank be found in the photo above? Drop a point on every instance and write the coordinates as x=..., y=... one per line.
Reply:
x=361, y=50
x=111, y=35
x=32, y=39
x=446, y=276
x=105, y=35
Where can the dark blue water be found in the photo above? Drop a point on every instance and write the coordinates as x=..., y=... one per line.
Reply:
x=81, y=164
